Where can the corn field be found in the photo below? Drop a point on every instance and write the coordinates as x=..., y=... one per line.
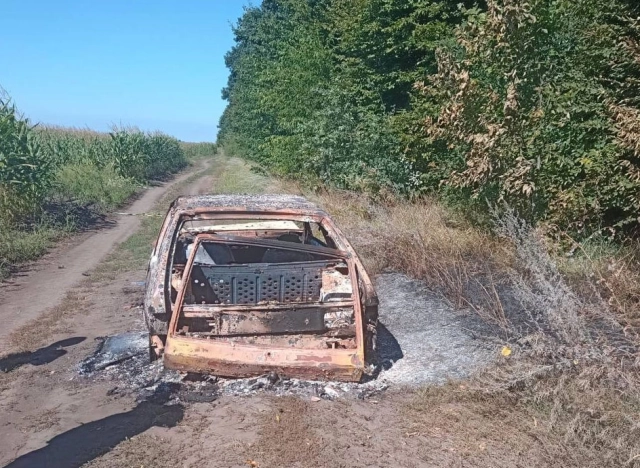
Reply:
x=83, y=166
x=54, y=180
x=25, y=172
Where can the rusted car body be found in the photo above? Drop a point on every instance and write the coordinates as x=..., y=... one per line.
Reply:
x=242, y=285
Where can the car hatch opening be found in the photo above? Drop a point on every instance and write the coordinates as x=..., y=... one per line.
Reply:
x=269, y=293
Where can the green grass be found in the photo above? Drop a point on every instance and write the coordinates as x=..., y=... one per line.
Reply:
x=234, y=175
x=86, y=184
x=84, y=191
x=132, y=254
x=21, y=246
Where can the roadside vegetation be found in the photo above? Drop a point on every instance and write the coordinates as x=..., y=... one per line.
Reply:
x=195, y=151
x=565, y=328
x=54, y=181
x=492, y=150
x=533, y=103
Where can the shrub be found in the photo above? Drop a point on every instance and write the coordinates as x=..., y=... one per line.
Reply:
x=537, y=107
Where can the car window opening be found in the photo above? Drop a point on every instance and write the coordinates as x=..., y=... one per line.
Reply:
x=295, y=232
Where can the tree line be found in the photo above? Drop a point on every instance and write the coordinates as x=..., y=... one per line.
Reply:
x=534, y=103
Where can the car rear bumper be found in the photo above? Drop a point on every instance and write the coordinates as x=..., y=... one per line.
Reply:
x=238, y=360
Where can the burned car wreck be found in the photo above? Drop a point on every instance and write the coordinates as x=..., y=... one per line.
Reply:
x=242, y=285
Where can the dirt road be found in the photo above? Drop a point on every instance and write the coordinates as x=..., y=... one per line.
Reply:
x=28, y=294
x=131, y=414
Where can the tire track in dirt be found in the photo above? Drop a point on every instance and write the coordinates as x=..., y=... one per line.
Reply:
x=201, y=186
x=27, y=297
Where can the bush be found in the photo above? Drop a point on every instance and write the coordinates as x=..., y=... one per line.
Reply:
x=354, y=148
x=536, y=109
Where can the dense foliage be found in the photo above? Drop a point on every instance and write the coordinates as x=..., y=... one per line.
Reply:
x=534, y=103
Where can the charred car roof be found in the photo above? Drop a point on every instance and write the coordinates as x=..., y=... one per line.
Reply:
x=253, y=203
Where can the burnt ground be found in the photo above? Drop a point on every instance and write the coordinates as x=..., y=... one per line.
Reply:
x=421, y=341
x=91, y=397
x=85, y=395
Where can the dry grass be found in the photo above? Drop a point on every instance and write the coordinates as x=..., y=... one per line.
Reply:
x=286, y=437
x=478, y=429
x=133, y=253
x=615, y=272
x=572, y=322
x=426, y=241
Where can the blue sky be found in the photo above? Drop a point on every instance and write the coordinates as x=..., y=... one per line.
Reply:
x=93, y=63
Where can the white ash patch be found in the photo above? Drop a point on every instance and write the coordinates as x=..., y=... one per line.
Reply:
x=124, y=360
x=421, y=340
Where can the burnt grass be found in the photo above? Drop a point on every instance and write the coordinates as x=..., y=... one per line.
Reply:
x=421, y=340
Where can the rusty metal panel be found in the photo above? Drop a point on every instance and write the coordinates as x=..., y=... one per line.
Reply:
x=252, y=285
x=197, y=355
x=275, y=321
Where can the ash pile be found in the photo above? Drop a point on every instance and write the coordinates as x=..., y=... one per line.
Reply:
x=123, y=360
x=421, y=341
